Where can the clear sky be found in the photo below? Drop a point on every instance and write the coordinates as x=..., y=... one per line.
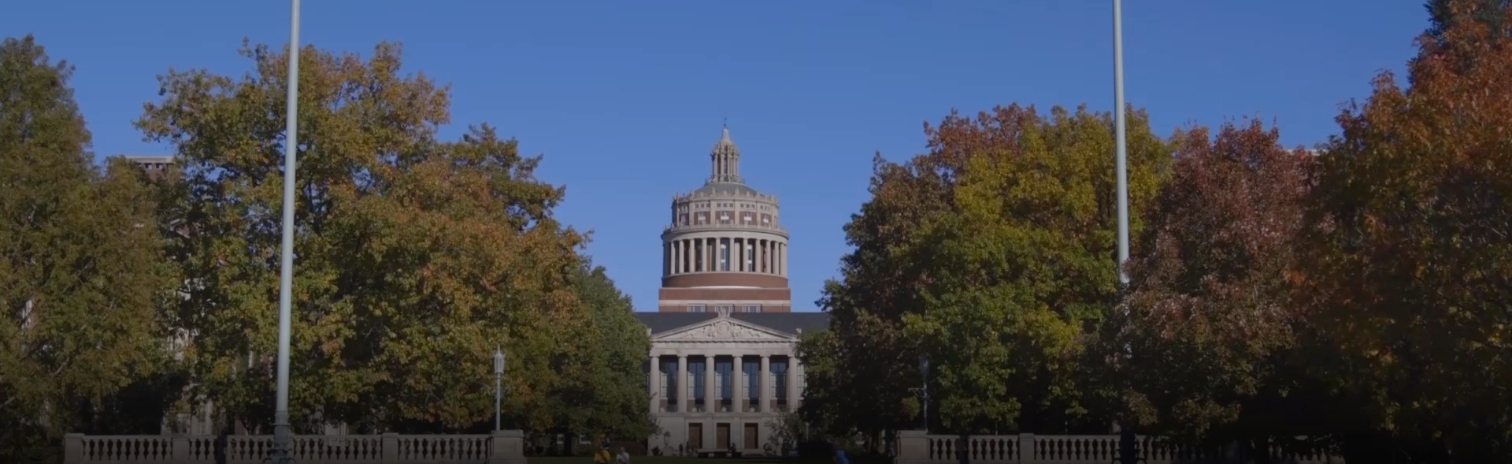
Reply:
x=625, y=98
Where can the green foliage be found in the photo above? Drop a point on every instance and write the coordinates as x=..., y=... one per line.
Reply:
x=994, y=254
x=603, y=389
x=416, y=257
x=82, y=272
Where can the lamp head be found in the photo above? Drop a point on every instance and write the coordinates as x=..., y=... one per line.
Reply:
x=498, y=361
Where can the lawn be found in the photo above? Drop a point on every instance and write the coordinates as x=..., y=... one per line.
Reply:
x=667, y=460
x=691, y=460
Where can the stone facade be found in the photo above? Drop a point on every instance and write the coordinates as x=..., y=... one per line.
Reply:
x=725, y=248
x=722, y=379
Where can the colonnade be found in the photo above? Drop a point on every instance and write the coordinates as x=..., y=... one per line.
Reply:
x=713, y=400
x=718, y=254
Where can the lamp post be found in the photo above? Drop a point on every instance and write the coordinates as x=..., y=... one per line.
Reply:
x=281, y=440
x=498, y=359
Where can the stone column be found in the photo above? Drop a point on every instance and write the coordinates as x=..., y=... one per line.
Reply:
x=654, y=389
x=709, y=391
x=681, y=383
x=708, y=247
x=768, y=260
x=792, y=383
x=737, y=385
x=784, y=259
x=765, y=383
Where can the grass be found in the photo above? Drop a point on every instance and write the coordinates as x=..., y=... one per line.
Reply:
x=692, y=460
x=668, y=460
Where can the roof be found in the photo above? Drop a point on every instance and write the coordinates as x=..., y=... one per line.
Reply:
x=726, y=187
x=788, y=323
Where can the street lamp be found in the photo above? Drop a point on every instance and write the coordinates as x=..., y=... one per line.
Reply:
x=282, y=442
x=498, y=359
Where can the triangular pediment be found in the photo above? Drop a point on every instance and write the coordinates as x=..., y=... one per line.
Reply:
x=723, y=328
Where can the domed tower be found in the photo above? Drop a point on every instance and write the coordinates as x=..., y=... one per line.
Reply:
x=725, y=249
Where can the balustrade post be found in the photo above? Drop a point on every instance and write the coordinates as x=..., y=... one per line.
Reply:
x=390, y=444
x=913, y=447
x=73, y=448
x=506, y=447
x=180, y=447
x=1027, y=451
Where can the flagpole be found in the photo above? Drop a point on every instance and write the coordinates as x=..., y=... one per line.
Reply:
x=1118, y=124
x=282, y=440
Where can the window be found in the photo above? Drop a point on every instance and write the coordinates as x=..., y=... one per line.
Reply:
x=724, y=254
x=753, y=308
x=697, y=308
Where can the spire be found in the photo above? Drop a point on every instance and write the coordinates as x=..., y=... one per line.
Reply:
x=725, y=160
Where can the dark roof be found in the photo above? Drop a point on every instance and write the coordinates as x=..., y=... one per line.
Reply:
x=726, y=187
x=788, y=323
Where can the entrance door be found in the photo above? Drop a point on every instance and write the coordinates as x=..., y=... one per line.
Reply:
x=751, y=441
x=695, y=435
x=722, y=437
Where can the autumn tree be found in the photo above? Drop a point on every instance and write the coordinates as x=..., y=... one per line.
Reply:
x=1411, y=265
x=82, y=270
x=1444, y=14
x=1206, y=340
x=416, y=256
x=994, y=253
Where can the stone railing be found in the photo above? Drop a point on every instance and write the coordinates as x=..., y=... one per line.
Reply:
x=501, y=447
x=916, y=447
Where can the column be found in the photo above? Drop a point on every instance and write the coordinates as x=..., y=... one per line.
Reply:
x=784, y=254
x=676, y=256
x=737, y=387
x=765, y=383
x=761, y=257
x=709, y=392
x=792, y=383
x=768, y=260
x=655, y=389
x=681, y=383
x=708, y=247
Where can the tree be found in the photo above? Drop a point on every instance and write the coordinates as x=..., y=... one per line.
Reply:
x=82, y=271
x=604, y=389
x=1203, y=338
x=1442, y=16
x=1410, y=266
x=994, y=254
x=416, y=256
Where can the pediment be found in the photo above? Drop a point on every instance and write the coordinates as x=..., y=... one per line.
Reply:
x=723, y=329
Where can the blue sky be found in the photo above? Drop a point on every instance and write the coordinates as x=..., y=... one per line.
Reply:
x=625, y=98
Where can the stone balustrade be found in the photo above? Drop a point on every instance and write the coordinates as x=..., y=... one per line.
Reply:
x=500, y=447
x=916, y=447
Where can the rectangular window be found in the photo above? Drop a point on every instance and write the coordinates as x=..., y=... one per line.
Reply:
x=696, y=308
x=753, y=308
